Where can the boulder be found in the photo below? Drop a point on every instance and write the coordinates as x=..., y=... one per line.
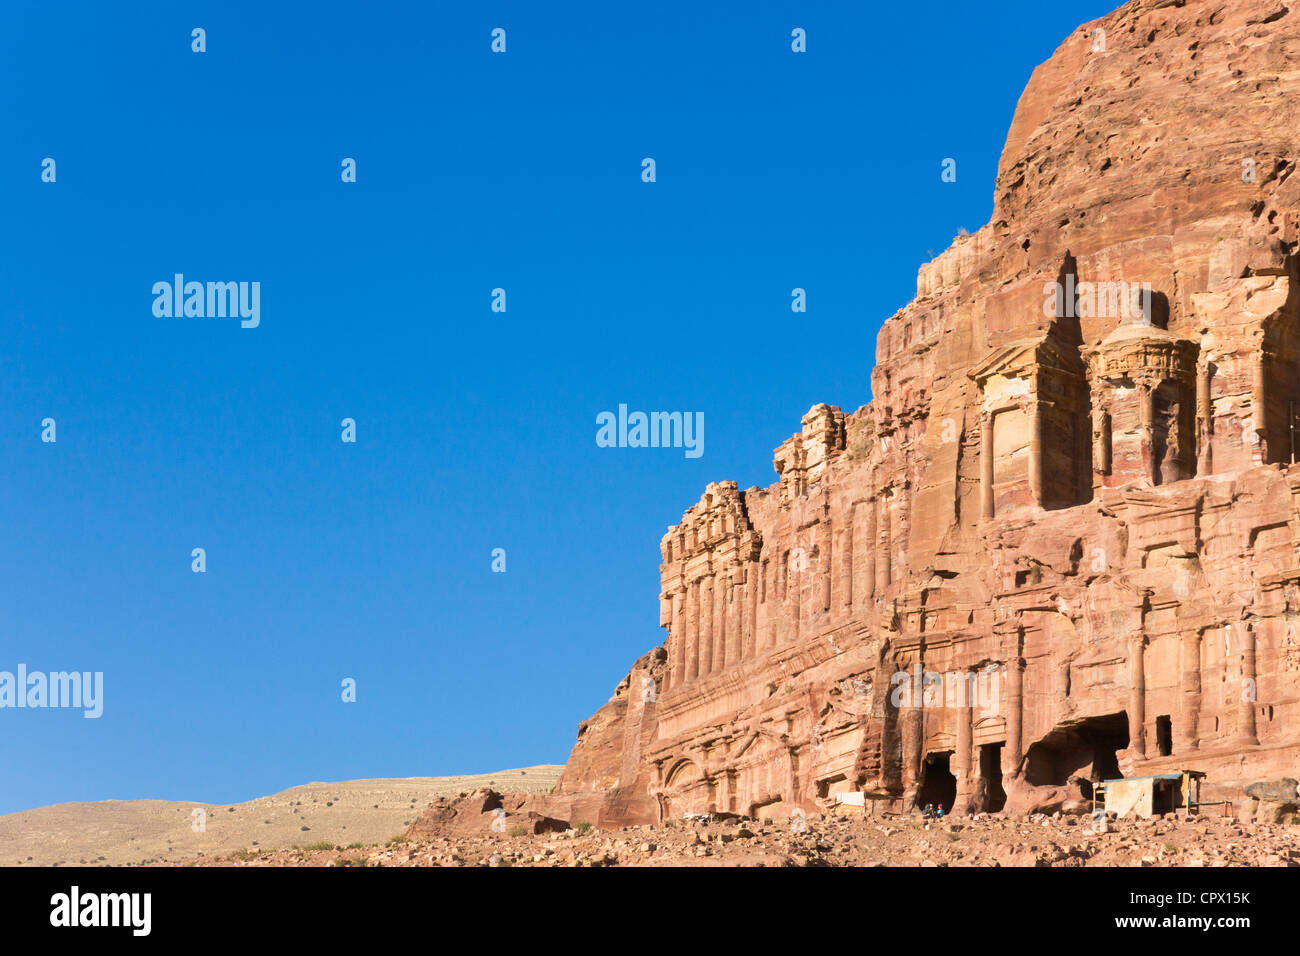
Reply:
x=1282, y=790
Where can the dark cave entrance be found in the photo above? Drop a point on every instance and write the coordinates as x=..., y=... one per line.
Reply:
x=1083, y=751
x=938, y=785
x=995, y=798
x=1164, y=735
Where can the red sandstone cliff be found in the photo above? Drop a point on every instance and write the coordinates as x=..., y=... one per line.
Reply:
x=1071, y=519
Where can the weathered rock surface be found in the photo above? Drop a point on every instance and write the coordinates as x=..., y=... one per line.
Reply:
x=482, y=811
x=1279, y=791
x=1060, y=543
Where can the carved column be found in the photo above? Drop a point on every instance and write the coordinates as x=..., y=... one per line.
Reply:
x=691, y=636
x=962, y=756
x=1036, y=448
x=1146, y=421
x=723, y=792
x=824, y=557
x=766, y=594
x=1204, y=420
x=899, y=524
x=735, y=620
x=721, y=605
x=775, y=599
x=1137, y=695
x=1248, y=698
x=1176, y=464
x=794, y=594
x=869, y=558
x=791, y=777
x=884, y=546
x=1190, y=714
x=753, y=584
x=679, y=627
x=670, y=645
x=986, y=465
x=739, y=626
x=846, y=561
x=1101, y=447
x=911, y=721
x=706, y=625
x=1259, y=398
x=1015, y=715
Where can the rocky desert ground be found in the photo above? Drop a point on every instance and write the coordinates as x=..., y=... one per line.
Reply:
x=132, y=832
x=830, y=840
x=453, y=821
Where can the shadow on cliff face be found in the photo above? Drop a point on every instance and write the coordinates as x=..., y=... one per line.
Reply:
x=1061, y=768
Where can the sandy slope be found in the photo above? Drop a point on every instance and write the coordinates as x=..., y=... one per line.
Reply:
x=135, y=831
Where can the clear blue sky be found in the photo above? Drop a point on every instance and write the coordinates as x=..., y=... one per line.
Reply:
x=476, y=430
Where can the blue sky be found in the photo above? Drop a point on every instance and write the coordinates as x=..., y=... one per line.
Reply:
x=475, y=430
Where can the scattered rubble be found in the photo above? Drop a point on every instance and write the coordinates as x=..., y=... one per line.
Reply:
x=831, y=840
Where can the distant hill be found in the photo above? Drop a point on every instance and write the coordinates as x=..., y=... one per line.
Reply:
x=124, y=832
